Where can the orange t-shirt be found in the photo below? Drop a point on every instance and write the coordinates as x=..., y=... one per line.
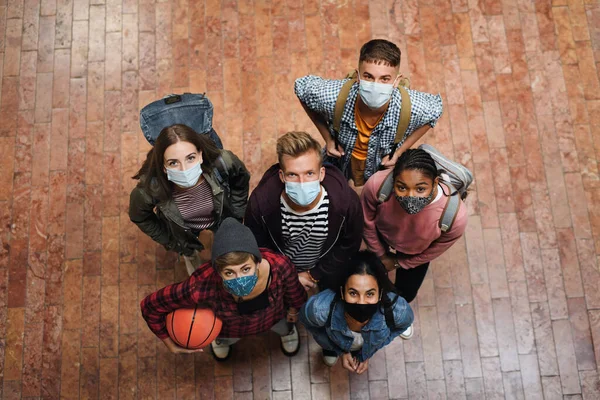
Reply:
x=364, y=133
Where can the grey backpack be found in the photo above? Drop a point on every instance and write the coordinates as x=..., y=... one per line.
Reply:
x=456, y=176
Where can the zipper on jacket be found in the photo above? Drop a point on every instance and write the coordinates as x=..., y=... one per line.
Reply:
x=166, y=214
x=273, y=239
x=217, y=191
x=336, y=238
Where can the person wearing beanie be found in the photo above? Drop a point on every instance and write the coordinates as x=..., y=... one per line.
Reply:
x=251, y=289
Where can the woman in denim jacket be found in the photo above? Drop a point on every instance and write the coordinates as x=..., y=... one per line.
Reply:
x=365, y=316
x=187, y=186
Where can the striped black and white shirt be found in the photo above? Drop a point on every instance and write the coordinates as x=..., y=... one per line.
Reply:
x=196, y=206
x=304, y=233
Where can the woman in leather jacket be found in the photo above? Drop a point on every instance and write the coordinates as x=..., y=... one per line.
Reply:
x=186, y=187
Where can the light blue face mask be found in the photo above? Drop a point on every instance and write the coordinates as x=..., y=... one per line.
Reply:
x=187, y=178
x=303, y=193
x=243, y=285
x=374, y=94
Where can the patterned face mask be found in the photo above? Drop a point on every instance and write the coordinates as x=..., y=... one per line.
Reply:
x=414, y=204
x=241, y=286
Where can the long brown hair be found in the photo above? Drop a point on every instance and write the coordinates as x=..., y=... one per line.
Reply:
x=152, y=175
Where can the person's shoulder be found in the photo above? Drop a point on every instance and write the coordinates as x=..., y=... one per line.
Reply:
x=141, y=192
x=422, y=101
x=316, y=84
x=398, y=300
x=401, y=308
x=204, y=279
x=417, y=93
x=318, y=79
x=205, y=272
x=376, y=180
x=270, y=176
x=462, y=217
x=319, y=305
x=335, y=182
x=226, y=159
x=276, y=260
x=269, y=188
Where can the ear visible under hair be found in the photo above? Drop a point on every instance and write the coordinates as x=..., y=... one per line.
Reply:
x=281, y=175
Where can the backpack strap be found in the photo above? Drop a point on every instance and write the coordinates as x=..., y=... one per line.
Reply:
x=221, y=171
x=340, y=103
x=386, y=188
x=450, y=212
x=388, y=312
x=404, y=115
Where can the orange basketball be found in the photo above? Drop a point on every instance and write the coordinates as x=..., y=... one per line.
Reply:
x=193, y=328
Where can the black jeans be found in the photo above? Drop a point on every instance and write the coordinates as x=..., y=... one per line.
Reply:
x=408, y=281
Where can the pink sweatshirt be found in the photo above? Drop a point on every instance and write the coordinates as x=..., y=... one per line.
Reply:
x=417, y=236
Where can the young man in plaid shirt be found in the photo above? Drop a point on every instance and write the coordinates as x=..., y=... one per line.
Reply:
x=369, y=121
x=251, y=290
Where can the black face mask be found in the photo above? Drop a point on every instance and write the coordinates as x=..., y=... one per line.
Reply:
x=360, y=312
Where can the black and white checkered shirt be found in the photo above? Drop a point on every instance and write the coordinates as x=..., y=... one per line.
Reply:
x=320, y=95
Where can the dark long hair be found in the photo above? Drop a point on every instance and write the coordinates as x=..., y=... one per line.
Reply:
x=416, y=159
x=152, y=175
x=367, y=263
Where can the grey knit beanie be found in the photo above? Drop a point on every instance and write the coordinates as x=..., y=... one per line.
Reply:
x=233, y=236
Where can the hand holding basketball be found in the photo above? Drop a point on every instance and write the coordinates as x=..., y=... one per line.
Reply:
x=174, y=348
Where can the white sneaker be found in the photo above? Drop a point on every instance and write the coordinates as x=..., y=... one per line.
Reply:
x=330, y=361
x=221, y=351
x=407, y=334
x=290, y=343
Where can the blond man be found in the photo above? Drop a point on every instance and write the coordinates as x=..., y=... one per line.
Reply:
x=305, y=209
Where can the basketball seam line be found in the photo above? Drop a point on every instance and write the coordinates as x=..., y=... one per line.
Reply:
x=191, y=328
x=211, y=329
x=173, y=330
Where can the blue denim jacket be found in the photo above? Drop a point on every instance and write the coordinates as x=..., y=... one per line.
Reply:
x=338, y=338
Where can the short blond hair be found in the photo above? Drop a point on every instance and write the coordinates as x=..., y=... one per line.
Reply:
x=294, y=144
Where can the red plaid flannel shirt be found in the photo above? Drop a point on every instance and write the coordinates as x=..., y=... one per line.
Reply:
x=205, y=287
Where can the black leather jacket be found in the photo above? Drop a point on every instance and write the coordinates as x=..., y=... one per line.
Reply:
x=163, y=222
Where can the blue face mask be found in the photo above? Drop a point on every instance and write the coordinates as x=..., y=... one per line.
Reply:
x=303, y=193
x=241, y=286
x=187, y=178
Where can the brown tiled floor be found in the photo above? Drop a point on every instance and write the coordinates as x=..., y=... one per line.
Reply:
x=512, y=311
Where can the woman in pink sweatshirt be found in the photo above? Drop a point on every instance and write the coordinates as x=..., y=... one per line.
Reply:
x=404, y=230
